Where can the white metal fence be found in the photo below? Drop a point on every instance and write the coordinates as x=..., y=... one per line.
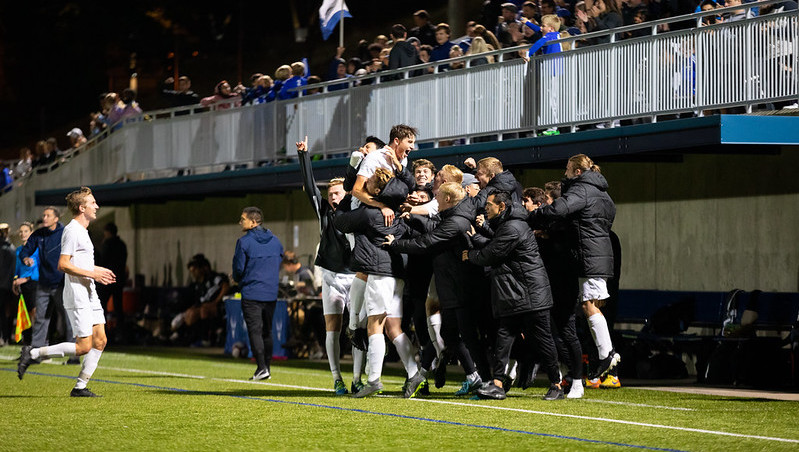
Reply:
x=744, y=63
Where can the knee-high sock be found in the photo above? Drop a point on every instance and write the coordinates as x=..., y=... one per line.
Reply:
x=88, y=367
x=434, y=329
x=599, y=329
x=377, y=351
x=333, y=349
x=406, y=354
x=356, y=301
x=54, y=351
x=358, y=357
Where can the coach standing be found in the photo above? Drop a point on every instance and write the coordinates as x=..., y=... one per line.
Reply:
x=255, y=266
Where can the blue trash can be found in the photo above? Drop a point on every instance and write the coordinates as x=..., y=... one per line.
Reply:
x=237, y=328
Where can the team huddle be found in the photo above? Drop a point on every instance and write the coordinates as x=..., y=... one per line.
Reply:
x=489, y=271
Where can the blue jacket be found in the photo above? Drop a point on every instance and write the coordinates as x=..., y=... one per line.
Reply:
x=293, y=82
x=49, y=245
x=548, y=48
x=23, y=271
x=256, y=264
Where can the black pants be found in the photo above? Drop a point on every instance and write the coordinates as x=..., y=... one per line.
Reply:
x=258, y=317
x=564, y=331
x=533, y=325
x=462, y=340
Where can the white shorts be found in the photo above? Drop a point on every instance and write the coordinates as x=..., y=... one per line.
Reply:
x=83, y=319
x=593, y=289
x=383, y=295
x=335, y=291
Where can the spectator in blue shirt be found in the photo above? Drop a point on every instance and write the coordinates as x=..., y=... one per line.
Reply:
x=297, y=79
x=26, y=278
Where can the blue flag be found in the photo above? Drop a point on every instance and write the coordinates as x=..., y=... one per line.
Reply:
x=331, y=12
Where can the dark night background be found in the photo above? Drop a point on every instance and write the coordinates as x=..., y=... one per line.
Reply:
x=56, y=58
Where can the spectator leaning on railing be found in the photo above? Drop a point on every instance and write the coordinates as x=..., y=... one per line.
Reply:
x=126, y=109
x=223, y=97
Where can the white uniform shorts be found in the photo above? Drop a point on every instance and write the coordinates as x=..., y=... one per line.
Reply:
x=593, y=289
x=383, y=295
x=335, y=291
x=84, y=318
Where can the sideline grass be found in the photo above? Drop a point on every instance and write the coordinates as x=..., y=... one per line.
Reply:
x=177, y=399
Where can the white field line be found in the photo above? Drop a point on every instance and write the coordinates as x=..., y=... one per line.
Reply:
x=475, y=405
x=638, y=424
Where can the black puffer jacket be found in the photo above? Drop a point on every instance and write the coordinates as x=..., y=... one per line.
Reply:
x=445, y=243
x=586, y=203
x=503, y=181
x=519, y=281
x=367, y=224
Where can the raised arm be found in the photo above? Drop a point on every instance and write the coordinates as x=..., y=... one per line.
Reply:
x=308, y=181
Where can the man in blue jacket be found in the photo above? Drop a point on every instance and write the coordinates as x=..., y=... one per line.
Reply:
x=256, y=264
x=47, y=240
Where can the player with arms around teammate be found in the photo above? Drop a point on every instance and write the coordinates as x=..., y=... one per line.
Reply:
x=84, y=311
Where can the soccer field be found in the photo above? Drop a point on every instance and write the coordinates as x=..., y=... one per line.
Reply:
x=181, y=399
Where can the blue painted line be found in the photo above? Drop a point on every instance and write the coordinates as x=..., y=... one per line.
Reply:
x=356, y=410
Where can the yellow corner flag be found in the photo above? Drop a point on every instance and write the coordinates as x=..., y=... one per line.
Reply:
x=23, y=320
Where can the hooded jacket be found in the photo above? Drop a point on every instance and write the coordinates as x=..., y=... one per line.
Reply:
x=519, y=281
x=366, y=222
x=48, y=242
x=445, y=243
x=586, y=204
x=403, y=54
x=256, y=264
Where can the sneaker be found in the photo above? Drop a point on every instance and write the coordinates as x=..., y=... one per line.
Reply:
x=356, y=386
x=605, y=365
x=415, y=383
x=554, y=393
x=368, y=389
x=262, y=374
x=25, y=360
x=576, y=391
x=610, y=382
x=73, y=361
x=82, y=393
x=491, y=392
x=591, y=383
x=360, y=339
x=566, y=384
x=340, y=388
x=468, y=387
x=506, y=383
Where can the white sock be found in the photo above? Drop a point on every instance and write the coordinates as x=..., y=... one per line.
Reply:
x=356, y=301
x=333, y=349
x=376, y=353
x=406, y=354
x=89, y=366
x=434, y=330
x=357, y=363
x=599, y=329
x=510, y=371
x=54, y=351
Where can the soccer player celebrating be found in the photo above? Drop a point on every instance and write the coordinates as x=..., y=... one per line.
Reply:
x=80, y=295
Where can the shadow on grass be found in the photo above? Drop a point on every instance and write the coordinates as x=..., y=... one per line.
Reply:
x=257, y=393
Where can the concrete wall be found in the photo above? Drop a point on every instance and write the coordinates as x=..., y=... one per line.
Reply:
x=708, y=223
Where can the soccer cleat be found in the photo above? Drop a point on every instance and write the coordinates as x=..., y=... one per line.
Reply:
x=425, y=390
x=368, y=389
x=491, y=392
x=340, y=388
x=82, y=393
x=468, y=387
x=591, y=383
x=262, y=374
x=356, y=386
x=605, y=365
x=554, y=393
x=610, y=382
x=25, y=360
x=414, y=385
x=73, y=361
x=576, y=391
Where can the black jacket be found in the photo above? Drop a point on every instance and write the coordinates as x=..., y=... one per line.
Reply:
x=445, y=243
x=586, y=204
x=503, y=181
x=403, y=54
x=367, y=224
x=334, y=249
x=519, y=281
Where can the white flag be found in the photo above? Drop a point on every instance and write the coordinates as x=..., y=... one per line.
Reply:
x=330, y=13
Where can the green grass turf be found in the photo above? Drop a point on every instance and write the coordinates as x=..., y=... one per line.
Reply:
x=181, y=399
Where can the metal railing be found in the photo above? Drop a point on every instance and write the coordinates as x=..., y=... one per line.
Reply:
x=742, y=63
